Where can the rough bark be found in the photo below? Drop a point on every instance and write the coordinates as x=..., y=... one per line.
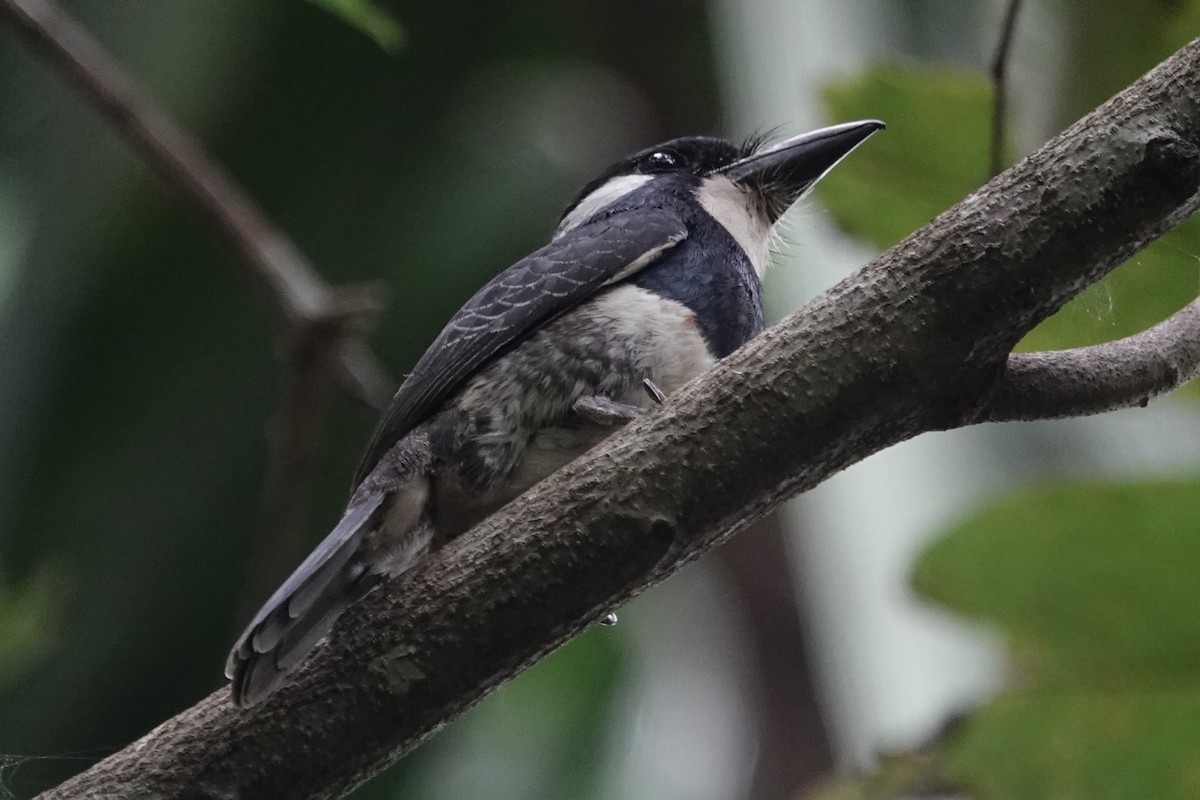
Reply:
x=917, y=340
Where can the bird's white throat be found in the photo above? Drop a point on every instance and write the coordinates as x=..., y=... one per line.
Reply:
x=738, y=211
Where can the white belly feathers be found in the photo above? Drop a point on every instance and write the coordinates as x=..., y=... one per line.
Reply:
x=673, y=353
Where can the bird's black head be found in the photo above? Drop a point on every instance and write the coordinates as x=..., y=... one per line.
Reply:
x=694, y=156
x=755, y=179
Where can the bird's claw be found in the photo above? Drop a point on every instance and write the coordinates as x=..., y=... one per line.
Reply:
x=656, y=394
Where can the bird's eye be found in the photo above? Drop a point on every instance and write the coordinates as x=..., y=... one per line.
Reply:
x=660, y=161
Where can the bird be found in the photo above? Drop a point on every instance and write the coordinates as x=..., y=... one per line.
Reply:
x=653, y=274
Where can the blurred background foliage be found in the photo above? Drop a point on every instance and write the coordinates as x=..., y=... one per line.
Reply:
x=427, y=146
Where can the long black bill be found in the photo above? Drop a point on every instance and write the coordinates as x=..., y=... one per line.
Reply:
x=783, y=172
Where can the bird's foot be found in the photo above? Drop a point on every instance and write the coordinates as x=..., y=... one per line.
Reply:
x=608, y=412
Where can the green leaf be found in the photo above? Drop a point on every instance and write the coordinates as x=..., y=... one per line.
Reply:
x=1088, y=745
x=933, y=153
x=368, y=18
x=1095, y=584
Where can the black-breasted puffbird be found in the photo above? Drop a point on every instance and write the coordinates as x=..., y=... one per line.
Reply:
x=652, y=276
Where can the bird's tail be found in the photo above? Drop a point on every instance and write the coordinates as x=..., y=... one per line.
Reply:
x=384, y=530
x=304, y=608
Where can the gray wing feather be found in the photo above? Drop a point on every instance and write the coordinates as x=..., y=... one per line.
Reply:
x=531, y=292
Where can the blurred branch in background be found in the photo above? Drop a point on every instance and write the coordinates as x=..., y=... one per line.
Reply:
x=999, y=75
x=793, y=747
x=308, y=355
x=326, y=325
x=301, y=294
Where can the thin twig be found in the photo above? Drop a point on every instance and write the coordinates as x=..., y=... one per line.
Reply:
x=292, y=437
x=291, y=280
x=1000, y=87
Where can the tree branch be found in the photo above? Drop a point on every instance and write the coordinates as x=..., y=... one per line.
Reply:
x=305, y=299
x=917, y=340
x=1105, y=377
